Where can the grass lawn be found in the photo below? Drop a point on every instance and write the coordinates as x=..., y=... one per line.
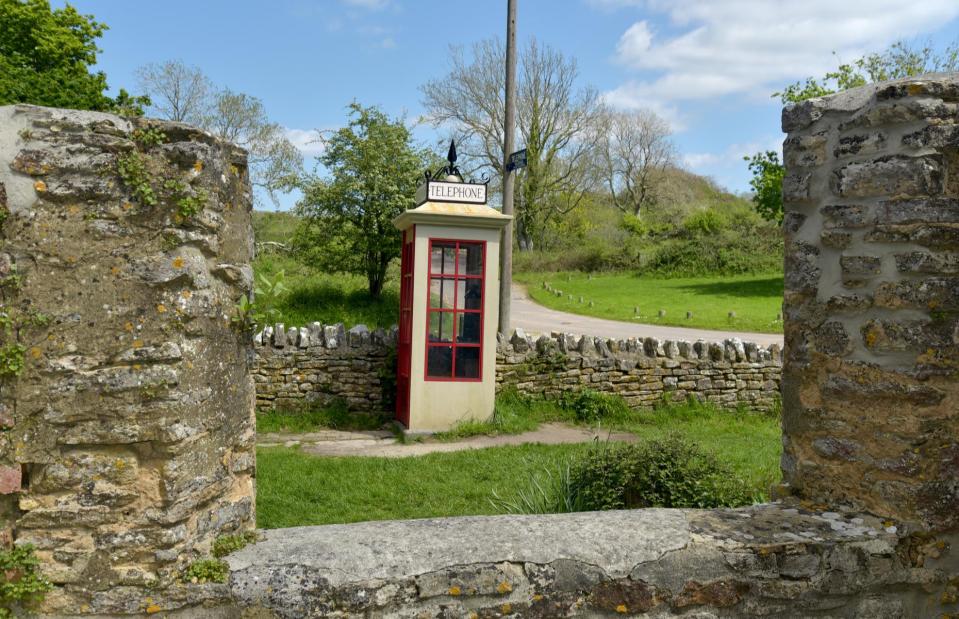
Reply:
x=756, y=299
x=329, y=297
x=294, y=488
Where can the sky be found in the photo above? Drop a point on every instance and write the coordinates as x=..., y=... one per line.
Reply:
x=706, y=66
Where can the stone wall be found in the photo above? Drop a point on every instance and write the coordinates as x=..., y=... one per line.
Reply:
x=126, y=405
x=763, y=561
x=870, y=389
x=297, y=367
x=300, y=367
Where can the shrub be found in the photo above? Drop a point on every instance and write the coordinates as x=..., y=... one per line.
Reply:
x=707, y=221
x=588, y=405
x=671, y=472
x=548, y=493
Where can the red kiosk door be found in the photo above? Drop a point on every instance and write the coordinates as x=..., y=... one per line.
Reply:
x=404, y=345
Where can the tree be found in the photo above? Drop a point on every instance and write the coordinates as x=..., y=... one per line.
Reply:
x=899, y=60
x=184, y=93
x=767, y=184
x=554, y=119
x=179, y=92
x=46, y=55
x=275, y=164
x=634, y=150
x=374, y=170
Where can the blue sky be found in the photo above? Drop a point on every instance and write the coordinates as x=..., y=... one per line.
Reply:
x=707, y=66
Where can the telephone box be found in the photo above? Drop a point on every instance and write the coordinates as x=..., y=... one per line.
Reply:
x=449, y=304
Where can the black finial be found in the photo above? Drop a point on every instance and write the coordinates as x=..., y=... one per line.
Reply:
x=451, y=155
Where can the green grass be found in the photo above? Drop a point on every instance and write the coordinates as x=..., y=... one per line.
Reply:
x=756, y=299
x=329, y=297
x=514, y=414
x=296, y=489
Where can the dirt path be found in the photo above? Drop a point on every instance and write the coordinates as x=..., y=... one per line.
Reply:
x=383, y=444
x=535, y=318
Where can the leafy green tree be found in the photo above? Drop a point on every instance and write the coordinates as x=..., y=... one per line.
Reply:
x=46, y=55
x=767, y=184
x=899, y=60
x=373, y=172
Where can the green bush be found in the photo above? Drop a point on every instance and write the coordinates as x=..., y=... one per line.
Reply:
x=588, y=405
x=708, y=221
x=670, y=472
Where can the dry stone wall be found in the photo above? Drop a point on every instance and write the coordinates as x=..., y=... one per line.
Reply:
x=299, y=367
x=126, y=404
x=870, y=389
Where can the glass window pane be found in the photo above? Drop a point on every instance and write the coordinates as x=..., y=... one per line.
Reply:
x=441, y=293
x=468, y=362
x=469, y=294
x=442, y=259
x=471, y=259
x=468, y=328
x=441, y=326
x=439, y=361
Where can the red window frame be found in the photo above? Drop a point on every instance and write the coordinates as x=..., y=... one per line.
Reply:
x=455, y=311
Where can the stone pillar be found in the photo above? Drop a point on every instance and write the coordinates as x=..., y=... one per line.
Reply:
x=125, y=396
x=871, y=376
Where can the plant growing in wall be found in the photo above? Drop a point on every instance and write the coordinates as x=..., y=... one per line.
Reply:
x=262, y=308
x=152, y=180
x=21, y=583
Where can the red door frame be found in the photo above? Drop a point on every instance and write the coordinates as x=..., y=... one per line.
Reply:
x=404, y=344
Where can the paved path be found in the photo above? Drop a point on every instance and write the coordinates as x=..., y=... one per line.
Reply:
x=384, y=444
x=535, y=318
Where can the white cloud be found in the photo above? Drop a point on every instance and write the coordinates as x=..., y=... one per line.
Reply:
x=732, y=155
x=307, y=141
x=754, y=47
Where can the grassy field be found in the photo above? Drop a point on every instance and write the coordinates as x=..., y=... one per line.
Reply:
x=756, y=300
x=296, y=489
x=329, y=297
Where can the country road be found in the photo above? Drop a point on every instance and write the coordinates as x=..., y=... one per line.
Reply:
x=535, y=318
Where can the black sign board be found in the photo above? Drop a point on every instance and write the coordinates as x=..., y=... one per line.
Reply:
x=516, y=161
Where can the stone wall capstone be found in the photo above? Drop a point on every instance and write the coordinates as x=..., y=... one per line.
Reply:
x=126, y=405
x=298, y=367
x=870, y=389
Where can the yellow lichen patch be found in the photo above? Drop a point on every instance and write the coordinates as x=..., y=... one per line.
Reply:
x=186, y=294
x=35, y=352
x=621, y=609
x=198, y=167
x=116, y=270
x=40, y=186
x=506, y=608
x=126, y=206
x=138, y=343
x=161, y=308
x=74, y=209
x=128, y=327
x=119, y=464
x=504, y=588
x=454, y=590
x=71, y=259
x=537, y=598
x=153, y=609
x=178, y=262
x=235, y=170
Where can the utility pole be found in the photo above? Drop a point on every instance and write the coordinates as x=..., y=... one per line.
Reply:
x=506, y=247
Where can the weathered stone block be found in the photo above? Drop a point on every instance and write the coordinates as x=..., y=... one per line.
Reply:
x=848, y=215
x=10, y=478
x=890, y=176
x=860, y=144
x=805, y=150
x=928, y=262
